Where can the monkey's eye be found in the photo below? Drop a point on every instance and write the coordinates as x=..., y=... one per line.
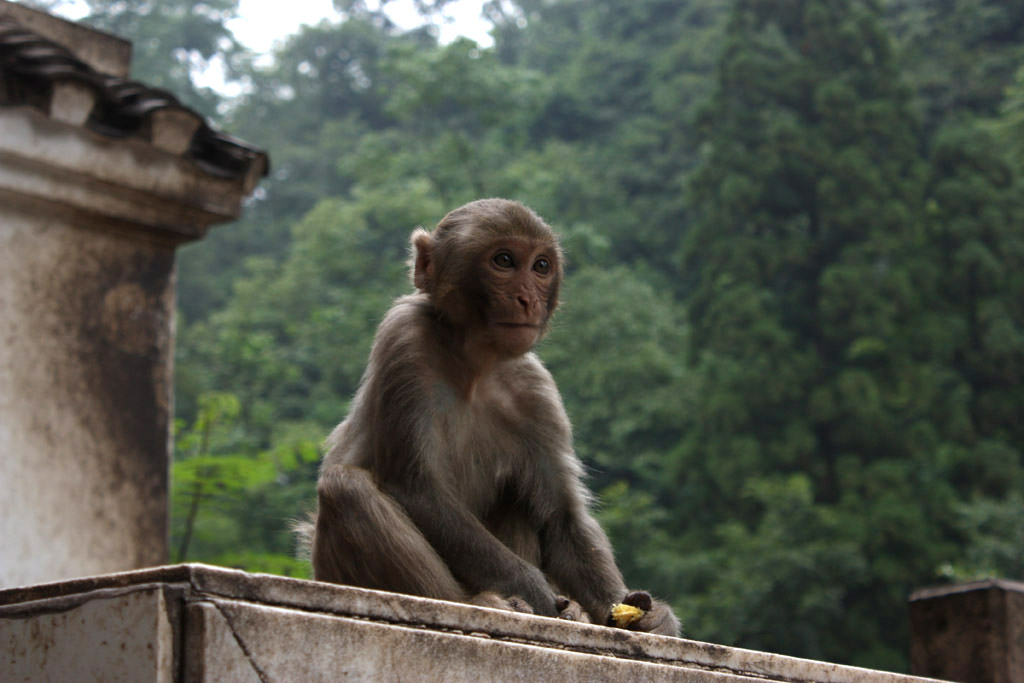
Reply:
x=503, y=259
x=542, y=266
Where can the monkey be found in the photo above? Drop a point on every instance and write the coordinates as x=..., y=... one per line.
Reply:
x=453, y=476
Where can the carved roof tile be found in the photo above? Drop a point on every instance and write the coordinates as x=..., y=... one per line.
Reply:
x=42, y=74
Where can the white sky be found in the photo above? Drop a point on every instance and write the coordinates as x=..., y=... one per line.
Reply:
x=261, y=23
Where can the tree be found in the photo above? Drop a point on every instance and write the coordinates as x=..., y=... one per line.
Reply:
x=312, y=108
x=974, y=212
x=293, y=342
x=624, y=83
x=226, y=504
x=960, y=55
x=626, y=401
x=804, y=310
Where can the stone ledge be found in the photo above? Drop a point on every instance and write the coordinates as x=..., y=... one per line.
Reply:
x=227, y=625
x=967, y=587
x=126, y=181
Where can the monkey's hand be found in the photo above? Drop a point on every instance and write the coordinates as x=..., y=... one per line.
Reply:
x=513, y=603
x=570, y=610
x=638, y=611
x=528, y=584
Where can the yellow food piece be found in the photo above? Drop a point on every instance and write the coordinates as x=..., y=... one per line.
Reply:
x=624, y=615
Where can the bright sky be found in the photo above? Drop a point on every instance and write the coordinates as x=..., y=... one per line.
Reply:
x=260, y=23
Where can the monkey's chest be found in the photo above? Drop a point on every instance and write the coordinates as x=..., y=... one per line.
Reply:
x=483, y=446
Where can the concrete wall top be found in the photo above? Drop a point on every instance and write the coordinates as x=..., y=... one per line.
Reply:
x=243, y=626
x=967, y=587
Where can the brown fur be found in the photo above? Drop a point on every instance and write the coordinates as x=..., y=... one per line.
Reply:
x=453, y=475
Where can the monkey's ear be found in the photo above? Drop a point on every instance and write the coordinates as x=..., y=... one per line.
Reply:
x=422, y=260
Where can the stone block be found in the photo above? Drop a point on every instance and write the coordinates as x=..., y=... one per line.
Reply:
x=106, y=637
x=972, y=632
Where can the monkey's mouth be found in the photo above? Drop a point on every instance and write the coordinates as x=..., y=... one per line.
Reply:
x=530, y=326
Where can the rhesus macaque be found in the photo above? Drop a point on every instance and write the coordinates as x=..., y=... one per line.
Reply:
x=454, y=476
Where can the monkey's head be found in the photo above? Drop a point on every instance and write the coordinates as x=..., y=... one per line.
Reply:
x=492, y=265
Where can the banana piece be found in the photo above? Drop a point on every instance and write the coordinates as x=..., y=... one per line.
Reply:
x=624, y=615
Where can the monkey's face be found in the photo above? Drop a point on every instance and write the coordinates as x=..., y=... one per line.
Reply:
x=518, y=277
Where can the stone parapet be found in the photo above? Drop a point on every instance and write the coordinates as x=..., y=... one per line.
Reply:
x=200, y=623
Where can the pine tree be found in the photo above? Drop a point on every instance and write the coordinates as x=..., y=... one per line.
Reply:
x=805, y=298
x=973, y=216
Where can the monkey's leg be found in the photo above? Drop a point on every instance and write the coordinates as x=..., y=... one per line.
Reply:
x=364, y=538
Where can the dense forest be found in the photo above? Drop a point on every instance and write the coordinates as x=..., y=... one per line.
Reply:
x=792, y=343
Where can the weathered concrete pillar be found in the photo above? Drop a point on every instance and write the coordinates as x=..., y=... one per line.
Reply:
x=100, y=180
x=971, y=632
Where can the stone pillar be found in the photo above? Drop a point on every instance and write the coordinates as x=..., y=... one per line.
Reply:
x=972, y=632
x=100, y=180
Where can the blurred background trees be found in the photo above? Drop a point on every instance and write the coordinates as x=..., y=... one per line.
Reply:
x=792, y=343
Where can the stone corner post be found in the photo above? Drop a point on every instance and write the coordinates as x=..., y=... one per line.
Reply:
x=970, y=632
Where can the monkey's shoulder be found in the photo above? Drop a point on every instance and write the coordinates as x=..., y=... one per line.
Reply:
x=402, y=345
x=527, y=375
x=526, y=393
x=406, y=321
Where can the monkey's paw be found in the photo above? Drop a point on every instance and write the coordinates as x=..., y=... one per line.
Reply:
x=570, y=610
x=638, y=611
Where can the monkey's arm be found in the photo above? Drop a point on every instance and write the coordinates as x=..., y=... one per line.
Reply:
x=578, y=556
x=475, y=557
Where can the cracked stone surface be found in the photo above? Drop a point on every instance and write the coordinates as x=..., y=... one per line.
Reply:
x=200, y=623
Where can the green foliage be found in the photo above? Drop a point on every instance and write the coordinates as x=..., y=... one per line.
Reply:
x=813, y=278
x=960, y=54
x=995, y=529
x=629, y=402
x=764, y=586
x=792, y=337
x=229, y=505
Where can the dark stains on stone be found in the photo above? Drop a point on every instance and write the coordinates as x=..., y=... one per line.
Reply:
x=113, y=299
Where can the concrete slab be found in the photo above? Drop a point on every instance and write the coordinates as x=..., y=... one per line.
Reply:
x=124, y=637
x=234, y=626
